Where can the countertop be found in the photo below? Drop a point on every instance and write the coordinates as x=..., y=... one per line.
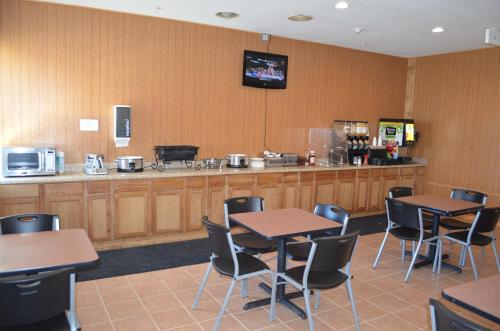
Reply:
x=79, y=175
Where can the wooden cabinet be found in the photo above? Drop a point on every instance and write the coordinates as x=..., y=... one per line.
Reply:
x=67, y=201
x=362, y=189
x=375, y=196
x=407, y=177
x=168, y=197
x=346, y=187
x=196, y=202
x=391, y=179
x=324, y=191
x=306, y=191
x=291, y=190
x=270, y=186
x=240, y=185
x=215, y=199
x=19, y=199
x=99, y=210
x=420, y=180
x=131, y=208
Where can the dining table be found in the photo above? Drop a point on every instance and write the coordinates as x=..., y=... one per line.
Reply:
x=281, y=225
x=479, y=296
x=26, y=253
x=439, y=206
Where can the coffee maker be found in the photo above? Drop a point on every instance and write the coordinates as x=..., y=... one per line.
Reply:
x=94, y=164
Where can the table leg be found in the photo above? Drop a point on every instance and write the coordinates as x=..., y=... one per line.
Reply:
x=281, y=296
x=72, y=319
x=426, y=260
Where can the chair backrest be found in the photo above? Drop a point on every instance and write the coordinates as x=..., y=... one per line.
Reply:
x=333, y=213
x=331, y=253
x=25, y=223
x=486, y=220
x=443, y=319
x=400, y=192
x=34, y=298
x=241, y=205
x=469, y=195
x=403, y=214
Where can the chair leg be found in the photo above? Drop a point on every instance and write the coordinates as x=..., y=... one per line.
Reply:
x=462, y=259
x=494, y=247
x=413, y=247
x=318, y=298
x=483, y=251
x=380, y=250
x=244, y=288
x=427, y=248
x=202, y=286
x=272, y=313
x=403, y=250
x=413, y=259
x=471, y=255
x=224, y=305
x=353, y=304
x=307, y=301
x=439, y=257
x=436, y=256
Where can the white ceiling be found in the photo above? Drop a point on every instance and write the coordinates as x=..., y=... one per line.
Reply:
x=395, y=27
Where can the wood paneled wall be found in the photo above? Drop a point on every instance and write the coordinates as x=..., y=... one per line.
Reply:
x=457, y=111
x=61, y=63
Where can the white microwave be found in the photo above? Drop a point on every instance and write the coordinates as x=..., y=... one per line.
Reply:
x=28, y=161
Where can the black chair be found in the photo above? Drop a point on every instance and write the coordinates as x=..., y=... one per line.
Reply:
x=25, y=223
x=228, y=262
x=299, y=251
x=481, y=233
x=35, y=302
x=405, y=222
x=323, y=270
x=451, y=224
x=248, y=242
x=404, y=191
x=444, y=319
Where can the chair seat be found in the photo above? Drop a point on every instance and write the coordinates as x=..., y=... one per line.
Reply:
x=406, y=233
x=477, y=238
x=298, y=251
x=454, y=224
x=247, y=264
x=251, y=243
x=317, y=280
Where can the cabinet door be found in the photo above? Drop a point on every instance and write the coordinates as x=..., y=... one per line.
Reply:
x=131, y=214
x=196, y=202
x=306, y=191
x=407, y=181
x=19, y=199
x=361, y=195
x=346, y=187
x=325, y=187
x=375, y=197
x=99, y=216
x=391, y=179
x=241, y=185
x=419, y=184
x=270, y=187
x=167, y=208
x=291, y=190
x=69, y=208
x=420, y=180
x=216, y=197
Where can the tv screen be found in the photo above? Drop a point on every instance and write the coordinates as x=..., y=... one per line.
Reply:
x=399, y=131
x=264, y=70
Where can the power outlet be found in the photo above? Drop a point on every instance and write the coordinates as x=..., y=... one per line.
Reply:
x=493, y=36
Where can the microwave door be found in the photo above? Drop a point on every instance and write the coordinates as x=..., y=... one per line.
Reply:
x=24, y=163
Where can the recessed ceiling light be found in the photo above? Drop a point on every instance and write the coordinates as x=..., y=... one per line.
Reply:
x=438, y=29
x=300, y=18
x=342, y=5
x=226, y=14
x=358, y=30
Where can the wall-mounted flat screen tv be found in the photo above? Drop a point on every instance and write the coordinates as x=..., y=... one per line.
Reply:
x=264, y=70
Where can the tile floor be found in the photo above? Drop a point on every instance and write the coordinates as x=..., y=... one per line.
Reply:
x=161, y=300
